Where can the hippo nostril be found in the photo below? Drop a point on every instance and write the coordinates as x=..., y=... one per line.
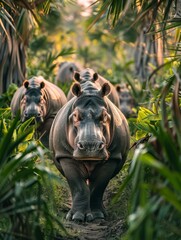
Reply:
x=80, y=146
x=39, y=115
x=91, y=146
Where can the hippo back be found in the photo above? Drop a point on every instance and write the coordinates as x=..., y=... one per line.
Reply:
x=66, y=72
x=87, y=74
x=127, y=102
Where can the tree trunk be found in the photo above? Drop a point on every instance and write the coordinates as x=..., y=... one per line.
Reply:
x=177, y=9
x=12, y=56
x=12, y=59
x=149, y=51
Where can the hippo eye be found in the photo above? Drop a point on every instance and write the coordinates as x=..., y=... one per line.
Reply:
x=79, y=117
x=41, y=101
x=76, y=117
x=24, y=100
x=105, y=117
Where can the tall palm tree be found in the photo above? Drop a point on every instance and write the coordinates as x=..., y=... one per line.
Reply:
x=17, y=20
x=152, y=19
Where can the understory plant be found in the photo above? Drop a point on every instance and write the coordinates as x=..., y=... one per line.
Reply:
x=154, y=174
x=24, y=212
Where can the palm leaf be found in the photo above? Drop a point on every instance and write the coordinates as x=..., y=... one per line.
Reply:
x=21, y=183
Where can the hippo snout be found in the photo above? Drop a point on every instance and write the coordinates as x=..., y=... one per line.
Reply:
x=37, y=115
x=32, y=114
x=90, y=146
x=90, y=150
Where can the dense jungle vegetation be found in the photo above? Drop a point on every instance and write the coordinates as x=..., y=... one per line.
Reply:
x=135, y=42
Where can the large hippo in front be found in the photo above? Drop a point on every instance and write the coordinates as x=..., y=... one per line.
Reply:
x=90, y=140
x=89, y=74
x=66, y=72
x=127, y=102
x=40, y=99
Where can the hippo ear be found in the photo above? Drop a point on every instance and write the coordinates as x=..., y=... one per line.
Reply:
x=61, y=64
x=42, y=85
x=71, y=69
x=95, y=76
x=26, y=83
x=118, y=88
x=105, y=90
x=76, y=89
x=77, y=76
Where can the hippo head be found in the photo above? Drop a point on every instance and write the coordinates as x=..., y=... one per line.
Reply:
x=91, y=122
x=126, y=100
x=33, y=103
x=86, y=75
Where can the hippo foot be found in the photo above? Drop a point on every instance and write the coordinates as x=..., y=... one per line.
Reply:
x=98, y=214
x=79, y=216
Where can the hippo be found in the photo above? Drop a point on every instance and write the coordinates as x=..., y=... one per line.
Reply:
x=89, y=140
x=66, y=72
x=127, y=102
x=40, y=99
x=98, y=80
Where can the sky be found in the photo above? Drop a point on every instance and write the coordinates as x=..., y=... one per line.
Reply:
x=86, y=4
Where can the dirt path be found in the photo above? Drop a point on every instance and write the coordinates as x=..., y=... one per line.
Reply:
x=99, y=230
x=110, y=229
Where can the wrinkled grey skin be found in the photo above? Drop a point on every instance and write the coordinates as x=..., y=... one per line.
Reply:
x=89, y=139
x=98, y=80
x=66, y=72
x=127, y=102
x=40, y=99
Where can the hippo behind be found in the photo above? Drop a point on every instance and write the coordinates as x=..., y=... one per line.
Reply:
x=66, y=72
x=90, y=140
x=40, y=99
x=89, y=74
x=127, y=102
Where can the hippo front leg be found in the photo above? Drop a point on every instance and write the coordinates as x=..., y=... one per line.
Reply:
x=80, y=210
x=98, y=183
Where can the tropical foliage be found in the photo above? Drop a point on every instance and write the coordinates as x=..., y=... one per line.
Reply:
x=155, y=209
x=24, y=212
x=18, y=20
x=155, y=21
x=34, y=37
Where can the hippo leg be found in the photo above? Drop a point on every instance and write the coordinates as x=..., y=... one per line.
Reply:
x=98, y=183
x=80, y=210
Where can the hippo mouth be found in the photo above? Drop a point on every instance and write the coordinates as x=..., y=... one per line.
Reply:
x=90, y=156
x=89, y=159
x=34, y=121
